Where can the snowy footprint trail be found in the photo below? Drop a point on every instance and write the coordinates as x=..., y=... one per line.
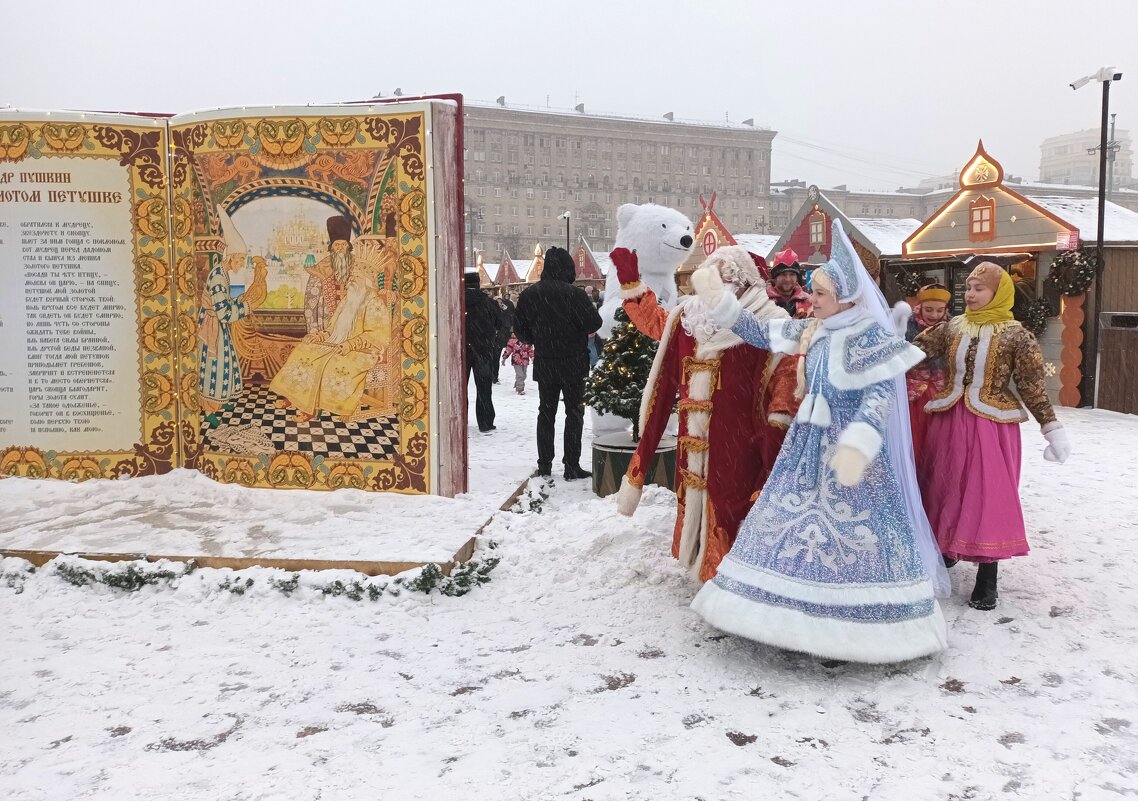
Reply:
x=580, y=673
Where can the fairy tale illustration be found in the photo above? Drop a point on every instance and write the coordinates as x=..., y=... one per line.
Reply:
x=304, y=309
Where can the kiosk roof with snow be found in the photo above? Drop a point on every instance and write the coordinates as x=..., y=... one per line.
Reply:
x=985, y=216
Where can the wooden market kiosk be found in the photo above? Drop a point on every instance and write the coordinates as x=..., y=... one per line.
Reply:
x=986, y=218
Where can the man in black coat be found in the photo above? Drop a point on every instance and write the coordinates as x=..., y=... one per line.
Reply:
x=483, y=317
x=557, y=318
x=505, y=329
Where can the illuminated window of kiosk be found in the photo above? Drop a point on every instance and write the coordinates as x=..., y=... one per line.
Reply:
x=710, y=243
x=982, y=219
x=817, y=229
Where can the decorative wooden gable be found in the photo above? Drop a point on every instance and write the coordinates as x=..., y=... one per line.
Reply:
x=985, y=216
x=710, y=235
x=808, y=233
x=536, y=266
x=507, y=275
x=484, y=279
x=586, y=263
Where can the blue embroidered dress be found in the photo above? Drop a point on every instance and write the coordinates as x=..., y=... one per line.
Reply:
x=819, y=567
x=219, y=372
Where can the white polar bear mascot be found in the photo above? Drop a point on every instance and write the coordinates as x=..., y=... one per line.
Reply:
x=661, y=238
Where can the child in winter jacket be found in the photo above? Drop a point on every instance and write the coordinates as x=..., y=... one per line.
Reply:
x=926, y=380
x=520, y=355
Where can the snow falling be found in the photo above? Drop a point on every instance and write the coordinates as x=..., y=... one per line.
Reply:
x=578, y=672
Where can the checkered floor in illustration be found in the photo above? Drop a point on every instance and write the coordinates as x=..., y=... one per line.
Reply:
x=368, y=439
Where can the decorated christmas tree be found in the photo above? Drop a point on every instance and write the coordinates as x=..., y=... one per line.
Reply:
x=617, y=382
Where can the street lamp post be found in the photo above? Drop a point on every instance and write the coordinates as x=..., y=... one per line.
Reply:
x=1089, y=390
x=472, y=214
x=565, y=217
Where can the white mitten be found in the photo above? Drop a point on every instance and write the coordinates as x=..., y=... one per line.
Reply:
x=708, y=285
x=901, y=313
x=628, y=498
x=849, y=465
x=1058, y=446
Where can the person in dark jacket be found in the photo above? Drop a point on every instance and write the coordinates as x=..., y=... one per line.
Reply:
x=505, y=328
x=483, y=317
x=557, y=318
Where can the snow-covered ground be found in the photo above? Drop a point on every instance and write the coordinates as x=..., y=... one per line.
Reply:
x=579, y=672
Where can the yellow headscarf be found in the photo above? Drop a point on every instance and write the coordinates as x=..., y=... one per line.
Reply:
x=999, y=309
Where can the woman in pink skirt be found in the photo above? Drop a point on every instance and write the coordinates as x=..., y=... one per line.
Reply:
x=969, y=467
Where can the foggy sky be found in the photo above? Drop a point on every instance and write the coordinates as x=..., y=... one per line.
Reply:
x=882, y=92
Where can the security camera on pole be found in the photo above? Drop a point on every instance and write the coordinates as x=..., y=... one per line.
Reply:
x=565, y=217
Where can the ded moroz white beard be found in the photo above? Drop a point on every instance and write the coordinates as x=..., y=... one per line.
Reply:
x=695, y=318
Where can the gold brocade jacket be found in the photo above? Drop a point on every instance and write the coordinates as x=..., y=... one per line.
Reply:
x=982, y=365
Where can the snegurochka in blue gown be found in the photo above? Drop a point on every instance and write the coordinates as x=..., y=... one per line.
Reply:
x=844, y=569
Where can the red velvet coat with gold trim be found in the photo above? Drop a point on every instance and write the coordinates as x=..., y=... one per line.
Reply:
x=727, y=399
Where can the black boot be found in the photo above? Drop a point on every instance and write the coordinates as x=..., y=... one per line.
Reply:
x=573, y=472
x=984, y=594
x=544, y=469
x=949, y=561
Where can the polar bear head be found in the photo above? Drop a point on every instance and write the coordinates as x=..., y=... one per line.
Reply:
x=662, y=239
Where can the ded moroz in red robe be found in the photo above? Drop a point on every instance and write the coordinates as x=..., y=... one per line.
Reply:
x=727, y=444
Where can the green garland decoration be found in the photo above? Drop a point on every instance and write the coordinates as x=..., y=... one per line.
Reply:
x=133, y=576
x=1035, y=316
x=1072, y=272
x=908, y=282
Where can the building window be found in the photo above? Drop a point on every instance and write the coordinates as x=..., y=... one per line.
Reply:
x=817, y=229
x=982, y=217
x=529, y=211
x=497, y=191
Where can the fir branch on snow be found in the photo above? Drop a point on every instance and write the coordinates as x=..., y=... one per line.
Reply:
x=133, y=576
x=533, y=498
x=14, y=579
